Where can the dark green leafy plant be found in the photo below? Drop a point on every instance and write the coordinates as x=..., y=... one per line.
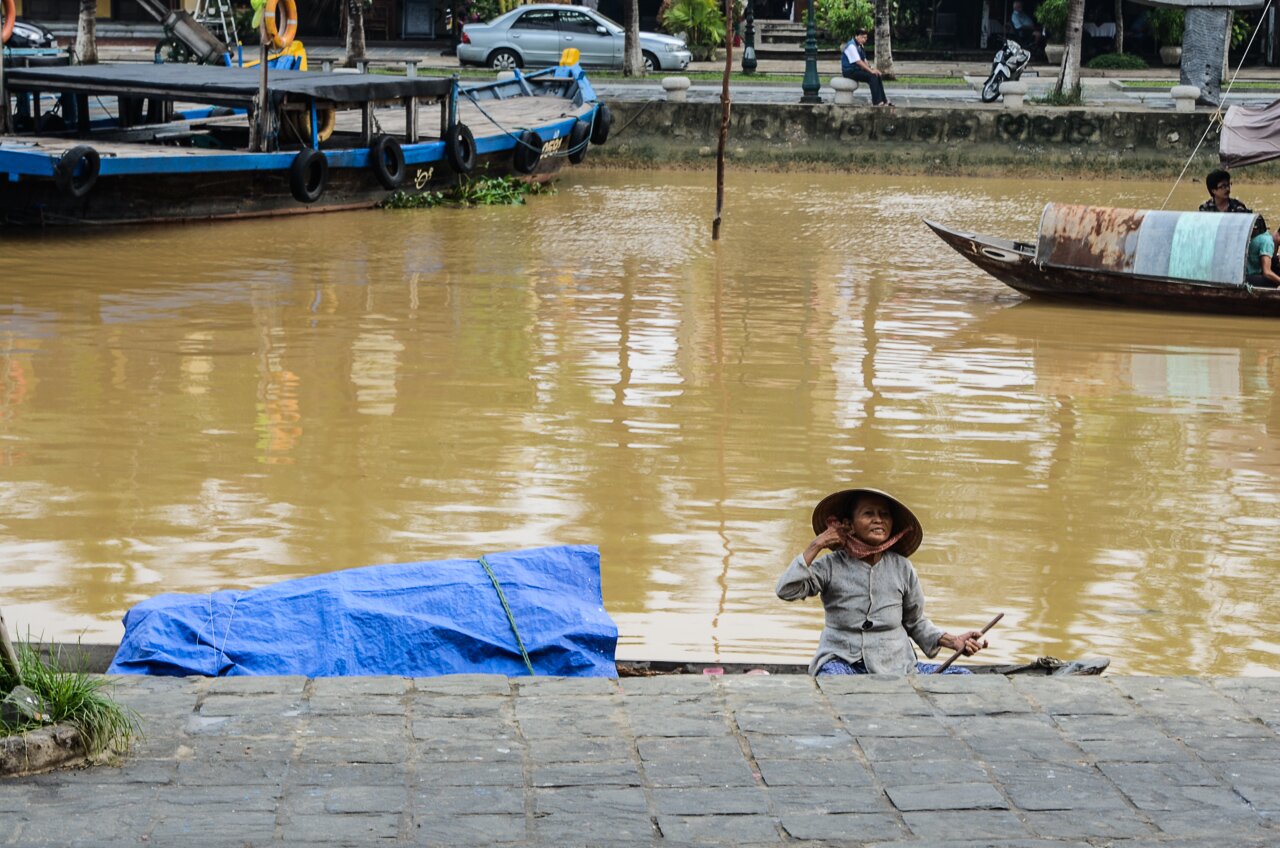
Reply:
x=840, y=19
x=1117, y=62
x=1052, y=15
x=701, y=22
x=69, y=697
x=1166, y=23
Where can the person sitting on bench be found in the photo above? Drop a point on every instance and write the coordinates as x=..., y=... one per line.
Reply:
x=854, y=65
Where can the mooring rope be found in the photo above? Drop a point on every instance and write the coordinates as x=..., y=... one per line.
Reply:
x=568, y=151
x=1216, y=117
x=511, y=619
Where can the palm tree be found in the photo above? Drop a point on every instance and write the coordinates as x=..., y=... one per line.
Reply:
x=884, y=45
x=1069, y=80
x=86, y=49
x=632, y=63
x=355, y=32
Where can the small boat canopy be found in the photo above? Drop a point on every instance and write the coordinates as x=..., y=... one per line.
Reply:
x=1197, y=247
x=1250, y=134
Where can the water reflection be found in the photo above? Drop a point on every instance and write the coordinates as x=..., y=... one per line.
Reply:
x=179, y=413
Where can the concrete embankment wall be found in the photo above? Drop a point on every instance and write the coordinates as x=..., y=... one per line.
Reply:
x=1037, y=140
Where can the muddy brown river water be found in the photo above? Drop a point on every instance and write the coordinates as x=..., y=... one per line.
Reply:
x=190, y=408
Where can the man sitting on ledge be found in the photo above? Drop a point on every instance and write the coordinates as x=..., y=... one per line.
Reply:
x=854, y=65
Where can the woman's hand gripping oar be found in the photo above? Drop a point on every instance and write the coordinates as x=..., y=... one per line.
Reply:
x=982, y=632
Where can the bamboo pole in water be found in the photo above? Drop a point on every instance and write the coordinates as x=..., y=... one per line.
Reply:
x=724, y=116
x=8, y=656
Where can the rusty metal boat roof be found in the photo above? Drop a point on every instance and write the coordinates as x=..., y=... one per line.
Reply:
x=1196, y=247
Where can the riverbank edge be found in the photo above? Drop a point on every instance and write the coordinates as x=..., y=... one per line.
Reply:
x=963, y=140
x=41, y=750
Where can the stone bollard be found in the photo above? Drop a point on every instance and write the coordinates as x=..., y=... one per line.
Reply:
x=506, y=75
x=677, y=88
x=410, y=67
x=327, y=66
x=1013, y=92
x=1185, y=97
x=845, y=88
x=362, y=67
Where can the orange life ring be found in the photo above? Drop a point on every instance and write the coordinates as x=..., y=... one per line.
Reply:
x=10, y=16
x=281, y=36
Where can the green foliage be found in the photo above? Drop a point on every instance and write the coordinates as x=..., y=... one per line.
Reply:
x=1117, y=62
x=701, y=21
x=1061, y=98
x=1052, y=15
x=70, y=697
x=1166, y=23
x=840, y=19
x=483, y=191
x=481, y=10
x=1241, y=29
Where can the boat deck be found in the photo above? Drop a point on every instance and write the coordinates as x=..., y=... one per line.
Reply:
x=221, y=86
x=489, y=118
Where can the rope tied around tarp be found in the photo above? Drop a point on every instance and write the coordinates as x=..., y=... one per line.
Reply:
x=511, y=619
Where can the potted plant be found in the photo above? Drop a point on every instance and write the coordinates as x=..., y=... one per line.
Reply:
x=1052, y=15
x=1166, y=23
x=701, y=21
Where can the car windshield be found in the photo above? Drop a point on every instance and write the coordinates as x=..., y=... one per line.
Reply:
x=613, y=26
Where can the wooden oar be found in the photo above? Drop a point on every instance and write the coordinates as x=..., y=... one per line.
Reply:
x=952, y=658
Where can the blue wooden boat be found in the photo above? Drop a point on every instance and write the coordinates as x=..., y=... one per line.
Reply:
x=1187, y=261
x=189, y=142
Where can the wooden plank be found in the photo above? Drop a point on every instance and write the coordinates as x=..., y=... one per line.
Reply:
x=8, y=656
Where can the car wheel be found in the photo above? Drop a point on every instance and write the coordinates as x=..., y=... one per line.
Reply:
x=504, y=60
x=650, y=63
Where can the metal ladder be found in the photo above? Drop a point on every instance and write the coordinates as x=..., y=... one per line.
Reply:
x=217, y=18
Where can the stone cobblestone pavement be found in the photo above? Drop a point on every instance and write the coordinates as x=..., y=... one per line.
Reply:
x=734, y=760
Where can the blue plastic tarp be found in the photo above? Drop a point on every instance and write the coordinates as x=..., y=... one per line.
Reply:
x=416, y=620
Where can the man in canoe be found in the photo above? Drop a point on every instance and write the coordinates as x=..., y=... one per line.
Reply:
x=872, y=596
x=1220, y=199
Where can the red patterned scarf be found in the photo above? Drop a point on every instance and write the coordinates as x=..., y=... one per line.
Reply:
x=861, y=550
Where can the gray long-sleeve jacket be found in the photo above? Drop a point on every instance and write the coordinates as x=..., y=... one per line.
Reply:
x=886, y=594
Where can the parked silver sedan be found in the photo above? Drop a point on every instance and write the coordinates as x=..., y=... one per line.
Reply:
x=537, y=35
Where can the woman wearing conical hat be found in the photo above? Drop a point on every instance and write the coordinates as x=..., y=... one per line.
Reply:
x=872, y=596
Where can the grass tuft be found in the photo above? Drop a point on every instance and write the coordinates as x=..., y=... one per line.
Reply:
x=70, y=697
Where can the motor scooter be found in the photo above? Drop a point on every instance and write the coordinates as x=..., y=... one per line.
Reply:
x=1009, y=63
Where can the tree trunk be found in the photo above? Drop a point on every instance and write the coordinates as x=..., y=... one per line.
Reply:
x=1069, y=79
x=1119, y=46
x=884, y=43
x=86, y=49
x=632, y=62
x=355, y=32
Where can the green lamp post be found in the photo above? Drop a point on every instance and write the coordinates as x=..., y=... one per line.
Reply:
x=811, y=85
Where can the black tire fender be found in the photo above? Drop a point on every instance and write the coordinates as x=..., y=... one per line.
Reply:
x=65, y=175
x=527, y=152
x=579, y=140
x=386, y=156
x=308, y=175
x=601, y=124
x=460, y=148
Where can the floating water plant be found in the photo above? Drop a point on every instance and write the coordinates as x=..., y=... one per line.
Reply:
x=482, y=191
